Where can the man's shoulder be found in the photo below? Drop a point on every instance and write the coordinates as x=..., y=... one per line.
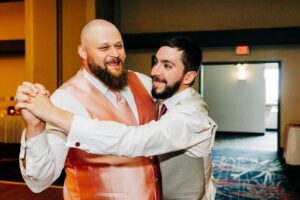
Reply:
x=193, y=103
x=60, y=95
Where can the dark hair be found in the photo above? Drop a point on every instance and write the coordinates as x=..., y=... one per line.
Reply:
x=192, y=54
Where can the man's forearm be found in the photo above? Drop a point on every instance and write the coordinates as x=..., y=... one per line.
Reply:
x=60, y=118
x=154, y=138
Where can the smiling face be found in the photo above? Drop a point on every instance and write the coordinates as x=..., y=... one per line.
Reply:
x=175, y=67
x=167, y=73
x=103, y=54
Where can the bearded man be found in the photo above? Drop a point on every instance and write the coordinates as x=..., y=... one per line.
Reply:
x=183, y=136
x=104, y=90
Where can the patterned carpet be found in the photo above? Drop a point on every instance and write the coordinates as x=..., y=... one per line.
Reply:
x=239, y=175
x=251, y=175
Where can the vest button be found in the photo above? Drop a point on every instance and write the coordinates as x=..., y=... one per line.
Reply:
x=77, y=144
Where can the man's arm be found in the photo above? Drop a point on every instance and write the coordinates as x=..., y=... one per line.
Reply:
x=180, y=128
x=174, y=131
x=44, y=153
x=44, y=156
x=34, y=126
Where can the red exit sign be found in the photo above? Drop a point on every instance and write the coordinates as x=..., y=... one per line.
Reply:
x=242, y=50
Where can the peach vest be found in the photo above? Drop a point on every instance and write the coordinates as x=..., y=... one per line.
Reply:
x=106, y=177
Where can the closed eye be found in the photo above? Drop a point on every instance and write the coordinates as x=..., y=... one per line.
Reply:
x=167, y=66
x=119, y=46
x=103, y=48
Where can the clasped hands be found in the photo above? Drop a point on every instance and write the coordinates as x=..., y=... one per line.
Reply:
x=36, y=108
x=35, y=99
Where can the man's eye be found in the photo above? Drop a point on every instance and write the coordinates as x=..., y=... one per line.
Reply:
x=120, y=46
x=168, y=66
x=103, y=48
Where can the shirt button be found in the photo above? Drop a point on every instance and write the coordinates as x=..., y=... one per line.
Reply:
x=77, y=144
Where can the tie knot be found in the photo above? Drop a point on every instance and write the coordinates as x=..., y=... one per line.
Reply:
x=163, y=110
x=124, y=109
x=120, y=98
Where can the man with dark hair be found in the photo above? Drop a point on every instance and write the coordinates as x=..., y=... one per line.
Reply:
x=191, y=58
x=182, y=137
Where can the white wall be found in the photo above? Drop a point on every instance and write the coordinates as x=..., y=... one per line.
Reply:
x=236, y=105
x=271, y=117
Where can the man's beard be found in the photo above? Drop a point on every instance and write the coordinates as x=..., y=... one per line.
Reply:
x=169, y=91
x=110, y=80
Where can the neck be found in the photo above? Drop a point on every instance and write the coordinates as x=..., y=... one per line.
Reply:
x=181, y=88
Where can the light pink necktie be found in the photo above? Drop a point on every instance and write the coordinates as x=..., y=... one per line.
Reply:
x=125, y=109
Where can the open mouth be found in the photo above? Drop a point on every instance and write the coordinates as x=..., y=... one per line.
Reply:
x=114, y=63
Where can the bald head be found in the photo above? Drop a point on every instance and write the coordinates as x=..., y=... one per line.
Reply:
x=103, y=54
x=96, y=29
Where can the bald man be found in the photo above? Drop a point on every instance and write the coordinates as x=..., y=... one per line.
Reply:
x=102, y=89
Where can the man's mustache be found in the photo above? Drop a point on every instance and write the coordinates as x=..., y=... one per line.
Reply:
x=157, y=79
x=116, y=60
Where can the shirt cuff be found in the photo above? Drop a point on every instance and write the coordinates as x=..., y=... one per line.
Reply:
x=31, y=150
x=38, y=142
x=78, y=137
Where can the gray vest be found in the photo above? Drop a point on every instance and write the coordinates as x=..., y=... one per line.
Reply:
x=183, y=177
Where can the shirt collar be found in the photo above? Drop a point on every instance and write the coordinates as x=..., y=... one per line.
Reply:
x=173, y=100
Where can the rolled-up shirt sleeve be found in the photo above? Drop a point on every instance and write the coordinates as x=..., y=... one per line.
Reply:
x=180, y=128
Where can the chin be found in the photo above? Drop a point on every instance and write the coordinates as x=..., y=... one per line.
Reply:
x=116, y=73
x=160, y=90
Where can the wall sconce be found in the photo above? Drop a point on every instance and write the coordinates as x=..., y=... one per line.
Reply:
x=242, y=71
x=11, y=110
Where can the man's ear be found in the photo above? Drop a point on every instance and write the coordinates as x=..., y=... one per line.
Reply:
x=189, y=77
x=82, y=52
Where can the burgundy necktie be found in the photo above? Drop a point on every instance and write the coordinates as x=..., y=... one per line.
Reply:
x=163, y=110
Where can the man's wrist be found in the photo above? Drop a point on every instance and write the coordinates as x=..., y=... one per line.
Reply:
x=60, y=118
x=34, y=130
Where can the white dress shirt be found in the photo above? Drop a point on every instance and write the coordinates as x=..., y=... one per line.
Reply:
x=45, y=154
x=186, y=125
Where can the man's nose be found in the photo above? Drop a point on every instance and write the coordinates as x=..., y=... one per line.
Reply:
x=156, y=70
x=114, y=52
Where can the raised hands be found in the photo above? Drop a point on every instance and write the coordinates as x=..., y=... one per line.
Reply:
x=36, y=108
x=26, y=100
